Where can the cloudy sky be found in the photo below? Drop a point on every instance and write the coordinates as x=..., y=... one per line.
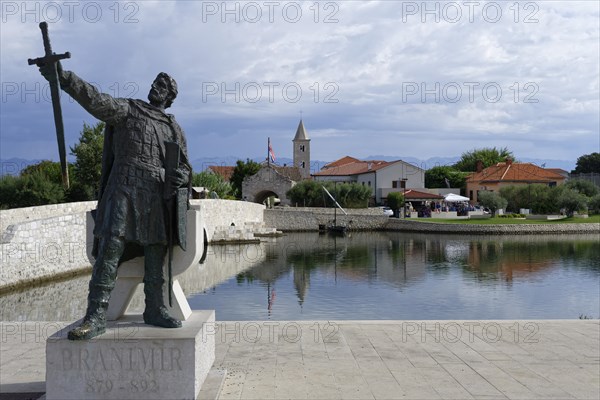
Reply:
x=391, y=78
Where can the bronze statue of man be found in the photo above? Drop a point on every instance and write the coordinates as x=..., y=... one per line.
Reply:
x=131, y=217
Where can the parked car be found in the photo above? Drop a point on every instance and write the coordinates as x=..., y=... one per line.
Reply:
x=387, y=211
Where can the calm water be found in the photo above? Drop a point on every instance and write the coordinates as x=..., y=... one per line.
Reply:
x=412, y=276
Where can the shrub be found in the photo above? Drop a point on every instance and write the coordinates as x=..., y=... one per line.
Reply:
x=491, y=200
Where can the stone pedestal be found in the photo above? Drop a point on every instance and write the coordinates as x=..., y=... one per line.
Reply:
x=132, y=360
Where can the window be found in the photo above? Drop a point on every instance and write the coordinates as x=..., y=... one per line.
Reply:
x=302, y=164
x=470, y=195
x=394, y=184
x=302, y=147
x=369, y=183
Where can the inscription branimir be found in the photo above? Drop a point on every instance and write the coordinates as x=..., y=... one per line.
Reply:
x=123, y=359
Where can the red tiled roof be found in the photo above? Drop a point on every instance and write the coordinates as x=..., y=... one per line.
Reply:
x=224, y=171
x=342, y=161
x=351, y=166
x=412, y=194
x=515, y=172
x=559, y=171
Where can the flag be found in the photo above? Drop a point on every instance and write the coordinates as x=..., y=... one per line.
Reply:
x=271, y=152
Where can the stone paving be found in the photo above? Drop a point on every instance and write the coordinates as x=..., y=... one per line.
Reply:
x=547, y=359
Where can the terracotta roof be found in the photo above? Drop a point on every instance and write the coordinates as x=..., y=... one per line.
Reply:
x=412, y=194
x=515, y=172
x=342, y=161
x=224, y=171
x=559, y=171
x=351, y=166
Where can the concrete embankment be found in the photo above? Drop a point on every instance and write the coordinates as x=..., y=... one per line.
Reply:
x=292, y=219
x=395, y=224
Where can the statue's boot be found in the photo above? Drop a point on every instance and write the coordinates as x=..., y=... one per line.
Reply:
x=94, y=322
x=102, y=283
x=156, y=313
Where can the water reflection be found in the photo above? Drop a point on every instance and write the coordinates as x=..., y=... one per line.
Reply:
x=396, y=275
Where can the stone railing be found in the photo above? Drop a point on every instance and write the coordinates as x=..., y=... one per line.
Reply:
x=27, y=214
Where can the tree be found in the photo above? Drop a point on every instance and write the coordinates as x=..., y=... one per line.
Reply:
x=491, y=200
x=350, y=195
x=307, y=193
x=488, y=156
x=436, y=177
x=8, y=191
x=50, y=169
x=395, y=201
x=242, y=169
x=572, y=201
x=539, y=198
x=212, y=182
x=582, y=186
x=594, y=204
x=587, y=163
x=88, y=163
x=310, y=193
x=38, y=184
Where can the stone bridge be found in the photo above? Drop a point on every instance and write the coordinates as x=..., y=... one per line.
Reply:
x=49, y=242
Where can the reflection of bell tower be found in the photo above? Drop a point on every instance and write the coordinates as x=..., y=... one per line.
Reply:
x=301, y=282
x=302, y=151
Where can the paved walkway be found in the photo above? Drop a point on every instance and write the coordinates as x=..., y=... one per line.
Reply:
x=371, y=359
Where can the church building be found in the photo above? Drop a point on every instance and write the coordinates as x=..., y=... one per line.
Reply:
x=274, y=180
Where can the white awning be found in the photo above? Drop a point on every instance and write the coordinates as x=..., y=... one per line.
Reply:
x=455, y=198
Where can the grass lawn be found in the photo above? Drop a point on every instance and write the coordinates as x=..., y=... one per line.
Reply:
x=512, y=221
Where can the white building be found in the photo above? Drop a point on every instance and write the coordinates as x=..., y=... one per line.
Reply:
x=382, y=177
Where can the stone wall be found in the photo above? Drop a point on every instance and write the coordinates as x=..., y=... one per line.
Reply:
x=42, y=242
x=309, y=219
x=395, y=224
x=217, y=214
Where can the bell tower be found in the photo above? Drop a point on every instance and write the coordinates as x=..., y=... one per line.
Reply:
x=302, y=151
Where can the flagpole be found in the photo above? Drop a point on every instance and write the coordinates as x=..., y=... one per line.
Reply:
x=268, y=152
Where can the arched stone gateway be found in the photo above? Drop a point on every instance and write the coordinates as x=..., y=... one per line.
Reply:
x=268, y=181
x=262, y=197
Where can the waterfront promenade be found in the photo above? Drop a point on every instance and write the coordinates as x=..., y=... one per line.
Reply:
x=537, y=359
